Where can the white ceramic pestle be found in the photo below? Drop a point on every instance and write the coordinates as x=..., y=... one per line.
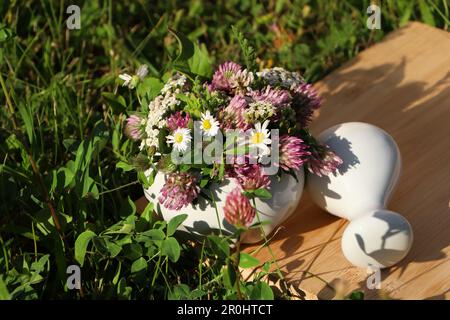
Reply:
x=360, y=190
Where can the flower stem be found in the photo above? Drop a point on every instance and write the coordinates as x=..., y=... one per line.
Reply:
x=238, y=257
x=267, y=242
x=118, y=188
x=217, y=212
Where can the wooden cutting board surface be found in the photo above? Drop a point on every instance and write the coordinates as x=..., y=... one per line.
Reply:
x=403, y=86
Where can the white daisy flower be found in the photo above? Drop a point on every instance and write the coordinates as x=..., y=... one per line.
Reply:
x=260, y=138
x=209, y=125
x=180, y=139
x=132, y=81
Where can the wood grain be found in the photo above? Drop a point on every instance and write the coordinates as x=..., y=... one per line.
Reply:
x=403, y=86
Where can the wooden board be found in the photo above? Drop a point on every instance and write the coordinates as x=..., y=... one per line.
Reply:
x=403, y=86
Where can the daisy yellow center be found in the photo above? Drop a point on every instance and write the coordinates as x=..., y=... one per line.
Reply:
x=178, y=137
x=206, y=124
x=258, y=138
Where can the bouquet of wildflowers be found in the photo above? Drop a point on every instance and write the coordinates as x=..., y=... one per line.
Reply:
x=238, y=124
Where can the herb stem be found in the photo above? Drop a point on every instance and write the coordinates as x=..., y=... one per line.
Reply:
x=267, y=242
x=238, y=257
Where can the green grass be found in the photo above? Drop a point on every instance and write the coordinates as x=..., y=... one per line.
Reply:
x=62, y=138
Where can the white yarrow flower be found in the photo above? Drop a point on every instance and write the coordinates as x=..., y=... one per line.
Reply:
x=209, y=125
x=174, y=84
x=280, y=77
x=180, y=139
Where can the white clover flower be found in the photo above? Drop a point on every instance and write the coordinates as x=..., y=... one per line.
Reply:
x=142, y=71
x=180, y=139
x=132, y=81
x=127, y=79
x=241, y=80
x=209, y=125
x=280, y=77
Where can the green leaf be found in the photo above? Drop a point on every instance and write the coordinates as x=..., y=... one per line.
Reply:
x=126, y=239
x=124, y=166
x=356, y=295
x=128, y=208
x=426, y=14
x=4, y=294
x=200, y=63
x=151, y=236
x=113, y=249
x=261, y=291
x=154, y=234
x=106, y=247
x=204, y=182
x=67, y=176
x=83, y=156
x=180, y=292
x=229, y=276
x=139, y=265
x=247, y=261
x=162, y=141
x=39, y=265
x=59, y=256
x=197, y=293
x=171, y=249
x=406, y=13
x=266, y=267
x=263, y=193
x=5, y=34
x=117, y=275
x=174, y=223
x=19, y=230
x=132, y=251
x=124, y=291
x=81, y=245
x=149, y=87
x=25, y=114
x=147, y=214
x=90, y=188
x=220, y=246
x=186, y=51
x=13, y=143
x=144, y=180
x=126, y=226
x=117, y=103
